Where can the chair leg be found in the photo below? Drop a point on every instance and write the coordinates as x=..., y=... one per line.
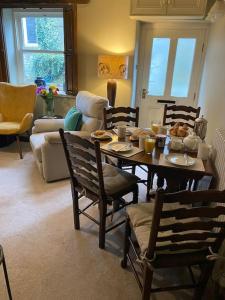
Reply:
x=19, y=146
x=6, y=277
x=76, y=216
x=126, y=246
x=103, y=211
x=135, y=195
x=147, y=283
x=204, y=277
x=150, y=176
x=133, y=170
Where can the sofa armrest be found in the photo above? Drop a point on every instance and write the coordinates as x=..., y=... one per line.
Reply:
x=47, y=125
x=54, y=137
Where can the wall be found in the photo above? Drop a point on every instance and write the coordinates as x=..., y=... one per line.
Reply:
x=212, y=91
x=104, y=27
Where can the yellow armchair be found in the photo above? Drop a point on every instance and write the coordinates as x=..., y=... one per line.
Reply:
x=16, y=109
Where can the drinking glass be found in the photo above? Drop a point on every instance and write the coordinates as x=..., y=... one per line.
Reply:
x=149, y=145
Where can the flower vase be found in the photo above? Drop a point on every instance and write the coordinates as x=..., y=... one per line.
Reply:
x=49, y=100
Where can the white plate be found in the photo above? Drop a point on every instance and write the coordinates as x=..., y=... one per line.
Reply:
x=180, y=159
x=105, y=136
x=120, y=146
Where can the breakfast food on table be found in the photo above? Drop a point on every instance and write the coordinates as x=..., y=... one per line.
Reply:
x=141, y=133
x=100, y=132
x=178, y=130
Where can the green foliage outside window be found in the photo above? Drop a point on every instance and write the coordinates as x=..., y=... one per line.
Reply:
x=50, y=66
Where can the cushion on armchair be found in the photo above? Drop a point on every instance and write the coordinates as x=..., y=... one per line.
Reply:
x=73, y=119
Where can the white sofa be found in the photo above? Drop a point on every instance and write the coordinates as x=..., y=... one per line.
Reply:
x=45, y=140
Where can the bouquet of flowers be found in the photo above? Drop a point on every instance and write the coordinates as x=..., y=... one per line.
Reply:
x=47, y=95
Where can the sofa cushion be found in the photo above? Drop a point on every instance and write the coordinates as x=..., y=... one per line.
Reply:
x=36, y=141
x=73, y=119
x=9, y=127
x=91, y=105
x=90, y=124
x=116, y=180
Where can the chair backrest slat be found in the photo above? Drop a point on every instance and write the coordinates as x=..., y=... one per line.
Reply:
x=189, y=197
x=114, y=116
x=200, y=212
x=201, y=246
x=197, y=228
x=179, y=226
x=186, y=115
x=189, y=237
x=78, y=152
x=84, y=162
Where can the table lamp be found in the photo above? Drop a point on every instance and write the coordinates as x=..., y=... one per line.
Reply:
x=112, y=67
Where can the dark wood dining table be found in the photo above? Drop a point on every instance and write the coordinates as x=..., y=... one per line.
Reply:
x=176, y=178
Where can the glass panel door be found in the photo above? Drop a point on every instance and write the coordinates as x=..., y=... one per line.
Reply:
x=183, y=67
x=169, y=69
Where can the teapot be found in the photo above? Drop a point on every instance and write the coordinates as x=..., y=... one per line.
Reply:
x=200, y=127
x=192, y=141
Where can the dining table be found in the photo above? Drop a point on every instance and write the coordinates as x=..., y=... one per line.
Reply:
x=171, y=177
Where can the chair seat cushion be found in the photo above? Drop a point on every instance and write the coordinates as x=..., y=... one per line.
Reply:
x=116, y=180
x=140, y=216
x=9, y=127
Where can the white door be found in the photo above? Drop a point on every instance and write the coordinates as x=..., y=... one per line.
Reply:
x=169, y=69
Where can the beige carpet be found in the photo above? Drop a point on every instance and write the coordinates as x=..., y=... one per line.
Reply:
x=47, y=259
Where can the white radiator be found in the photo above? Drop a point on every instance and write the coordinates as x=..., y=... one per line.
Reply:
x=219, y=157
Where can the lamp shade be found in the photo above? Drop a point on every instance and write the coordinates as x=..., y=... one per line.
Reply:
x=113, y=66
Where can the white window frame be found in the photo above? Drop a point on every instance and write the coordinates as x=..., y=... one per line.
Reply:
x=18, y=33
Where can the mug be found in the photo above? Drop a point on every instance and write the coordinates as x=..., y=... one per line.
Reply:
x=121, y=131
x=204, y=151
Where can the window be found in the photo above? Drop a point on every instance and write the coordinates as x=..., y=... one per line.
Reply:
x=173, y=66
x=40, y=47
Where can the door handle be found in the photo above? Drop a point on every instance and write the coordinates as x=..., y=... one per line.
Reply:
x=144, y=93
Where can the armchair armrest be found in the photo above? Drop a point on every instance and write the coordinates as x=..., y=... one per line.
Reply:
x=48, y=125
x=26, y=123
x=54, y=137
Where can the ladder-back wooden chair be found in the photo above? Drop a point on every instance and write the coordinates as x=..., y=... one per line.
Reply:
x=2, y=261
x=115, y=116
x=102, y=183
x=180, y=113
x=175, y=231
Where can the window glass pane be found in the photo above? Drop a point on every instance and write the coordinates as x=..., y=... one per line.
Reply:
x=43, y=33
x=45, y=65
x=158, y=67
x=183, y=67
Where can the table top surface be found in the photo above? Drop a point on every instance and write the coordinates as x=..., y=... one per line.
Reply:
x=153, y=160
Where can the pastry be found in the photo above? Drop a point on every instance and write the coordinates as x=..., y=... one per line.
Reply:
x=181, y=131
x=99, y=132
